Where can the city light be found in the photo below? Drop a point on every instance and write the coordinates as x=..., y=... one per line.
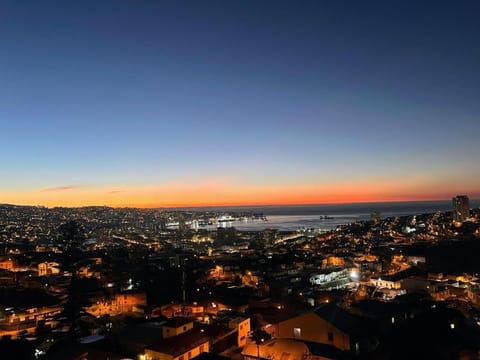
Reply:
x=285, y=180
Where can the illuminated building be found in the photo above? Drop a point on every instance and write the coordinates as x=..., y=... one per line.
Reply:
x=88, y=272
x=14, y=321
x=333, y=261
x=7, y=264
x=48, y=268
x=461, y=208
x=242, y=325
x=387, y=282
x=120, y=304
x=328, y=324
x=181, y=347
x=326, y=277
x=290, y=349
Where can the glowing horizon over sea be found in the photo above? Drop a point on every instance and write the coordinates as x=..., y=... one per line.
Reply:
x=294, y=217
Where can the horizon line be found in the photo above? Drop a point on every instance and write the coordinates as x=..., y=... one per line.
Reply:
x=233, y=205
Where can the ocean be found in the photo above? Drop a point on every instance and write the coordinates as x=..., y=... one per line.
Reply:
x=295, y=217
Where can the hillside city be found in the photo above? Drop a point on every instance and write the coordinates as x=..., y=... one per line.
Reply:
x=126, y=283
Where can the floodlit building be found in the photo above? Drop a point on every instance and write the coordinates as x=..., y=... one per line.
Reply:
x=387, y=282
x=48, y=268
x=120, y=304
x=326, y=277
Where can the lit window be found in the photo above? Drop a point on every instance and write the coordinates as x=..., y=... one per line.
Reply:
x=297, y=333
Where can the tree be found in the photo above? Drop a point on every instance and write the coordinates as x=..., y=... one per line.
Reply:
x=71, y=234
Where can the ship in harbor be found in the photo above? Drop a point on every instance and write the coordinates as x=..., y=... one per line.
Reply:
x=226, y=218
x=230, y=218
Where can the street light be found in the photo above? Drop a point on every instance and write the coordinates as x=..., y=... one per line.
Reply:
x=259, y=336
x=258, y=342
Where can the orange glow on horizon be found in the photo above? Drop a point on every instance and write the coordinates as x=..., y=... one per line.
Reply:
x=215, y=193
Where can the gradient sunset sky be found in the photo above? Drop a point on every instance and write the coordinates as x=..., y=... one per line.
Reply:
x=181, y=103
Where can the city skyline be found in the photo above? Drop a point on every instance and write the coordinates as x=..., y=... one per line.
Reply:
x=167, y=104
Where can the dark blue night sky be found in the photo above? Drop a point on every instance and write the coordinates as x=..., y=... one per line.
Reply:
x=308, y=97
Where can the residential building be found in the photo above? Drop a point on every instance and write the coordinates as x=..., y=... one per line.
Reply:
x=119, y=304
x=242, y=325
x=181, y=347
x=176, y=326
x=328, y=324
x=461, y=208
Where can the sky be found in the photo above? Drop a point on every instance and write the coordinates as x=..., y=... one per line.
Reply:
x=182, y=103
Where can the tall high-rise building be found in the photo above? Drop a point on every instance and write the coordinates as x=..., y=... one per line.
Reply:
x=461, y=208
x=375, y=216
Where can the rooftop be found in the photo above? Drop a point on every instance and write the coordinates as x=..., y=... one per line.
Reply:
x=177, y=322
x=180, y=344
